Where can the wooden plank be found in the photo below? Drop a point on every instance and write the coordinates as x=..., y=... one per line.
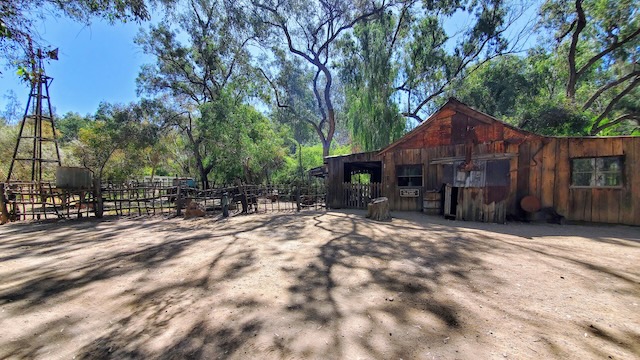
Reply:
x=598, y=205
x=535, y=173
x=612, y=214
x=576, y=199
x=548, y=174
x=562, y=178
x=617, y=149
x=634, y=180
x=511, y=203
x=522, y=189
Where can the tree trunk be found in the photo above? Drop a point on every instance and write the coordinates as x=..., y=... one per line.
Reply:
x=378, y=209
x=98, y=208
x=326, y=146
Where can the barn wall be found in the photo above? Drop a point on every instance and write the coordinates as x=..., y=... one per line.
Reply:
x=549, y=178
x=538, y=166
x=454, y=134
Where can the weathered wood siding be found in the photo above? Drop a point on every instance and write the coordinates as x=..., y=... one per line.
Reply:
x=451, y=134
x=539, y=166
x=549, y=179
x=335, y=175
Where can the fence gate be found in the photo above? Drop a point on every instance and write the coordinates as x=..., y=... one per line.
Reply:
x=357, y=196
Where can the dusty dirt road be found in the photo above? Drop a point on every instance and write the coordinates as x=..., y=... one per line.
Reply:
x=323, y=285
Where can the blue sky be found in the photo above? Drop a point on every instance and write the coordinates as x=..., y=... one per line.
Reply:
x=96, y=63
x=100, y=63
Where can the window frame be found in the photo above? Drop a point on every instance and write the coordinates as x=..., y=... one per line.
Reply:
x=595, y=172
x=398, y=176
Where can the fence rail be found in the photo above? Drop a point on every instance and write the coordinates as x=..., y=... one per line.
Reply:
x=27, y=200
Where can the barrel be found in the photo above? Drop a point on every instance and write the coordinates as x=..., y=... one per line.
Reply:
x=432, y=203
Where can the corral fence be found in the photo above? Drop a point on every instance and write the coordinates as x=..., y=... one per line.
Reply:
x=37, y=201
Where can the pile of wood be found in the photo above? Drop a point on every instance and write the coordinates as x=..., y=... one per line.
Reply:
x=378, y=209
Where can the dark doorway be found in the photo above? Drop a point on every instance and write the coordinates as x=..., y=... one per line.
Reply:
x=450, y=201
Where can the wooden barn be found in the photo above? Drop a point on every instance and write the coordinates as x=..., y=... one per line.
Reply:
x=467, y=165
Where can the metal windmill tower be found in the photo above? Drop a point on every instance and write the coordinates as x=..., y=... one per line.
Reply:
x=31, y=137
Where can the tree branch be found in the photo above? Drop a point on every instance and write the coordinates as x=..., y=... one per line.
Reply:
x=581, y=23
x=596, y=128
x=604, y=52
x=608, y=86
x=275, y=89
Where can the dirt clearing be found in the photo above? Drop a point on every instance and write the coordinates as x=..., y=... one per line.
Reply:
x=324, y=285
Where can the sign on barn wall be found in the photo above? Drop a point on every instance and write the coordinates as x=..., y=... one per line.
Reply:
x=409, y=192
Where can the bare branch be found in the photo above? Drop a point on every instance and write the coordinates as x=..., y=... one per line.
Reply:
x=275, y=89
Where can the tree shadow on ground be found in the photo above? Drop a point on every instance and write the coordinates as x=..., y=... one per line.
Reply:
x=309, y=285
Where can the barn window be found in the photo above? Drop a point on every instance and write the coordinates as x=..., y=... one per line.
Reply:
x=409, y=175
x=597, y=172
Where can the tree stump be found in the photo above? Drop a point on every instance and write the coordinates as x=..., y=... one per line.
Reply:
x=378, y=209
x=193, y=210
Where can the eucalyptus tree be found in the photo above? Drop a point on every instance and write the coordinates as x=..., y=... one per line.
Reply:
x=369, y=70
x=310, y=31
x=295, y=103
x=202, y=60
x=600, y=41
x=433, y=59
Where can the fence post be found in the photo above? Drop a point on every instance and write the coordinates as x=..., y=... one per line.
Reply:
x=4, y=213
x=178, y=200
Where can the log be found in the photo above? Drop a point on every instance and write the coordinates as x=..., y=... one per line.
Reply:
x=378, y=209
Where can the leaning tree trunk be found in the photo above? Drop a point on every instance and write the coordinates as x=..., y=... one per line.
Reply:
x=378, y=209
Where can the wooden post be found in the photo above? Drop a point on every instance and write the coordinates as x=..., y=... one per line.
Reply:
x=4, y=213
x=179, y=200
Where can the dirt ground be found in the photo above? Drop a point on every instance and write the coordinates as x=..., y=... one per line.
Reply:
x=323, y=285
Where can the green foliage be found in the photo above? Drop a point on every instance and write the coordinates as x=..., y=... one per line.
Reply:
x=500, y=87
x=294, y=80
x=8, y=136
x=555, y=119
x=290, y=172
x=110, y=143
x=241, y=144
x=598, y=42
x=373, y=118
x=433, y=60
x=68, y=127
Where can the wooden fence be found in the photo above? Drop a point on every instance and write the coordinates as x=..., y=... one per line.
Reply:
x=357, y=196
x=36, y=201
